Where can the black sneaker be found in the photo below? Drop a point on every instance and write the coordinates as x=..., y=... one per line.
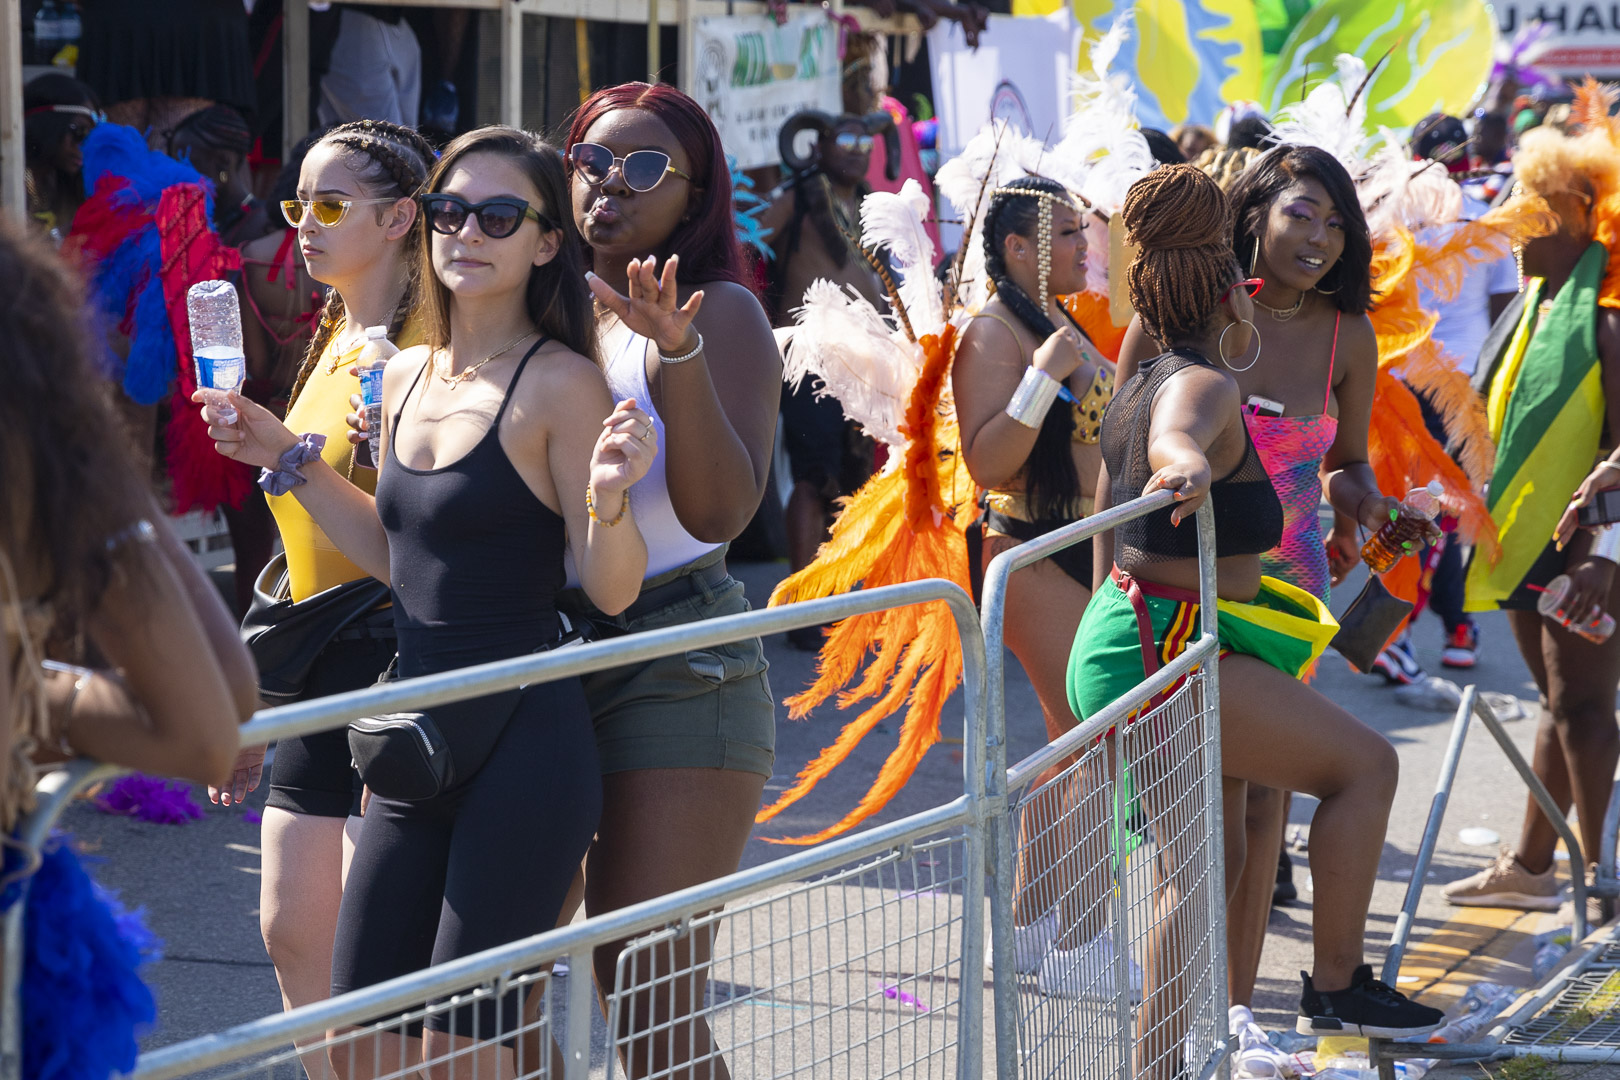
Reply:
x=1284, y=890
x=1368, y=1008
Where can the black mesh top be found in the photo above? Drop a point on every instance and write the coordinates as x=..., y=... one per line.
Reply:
x=1248, y=514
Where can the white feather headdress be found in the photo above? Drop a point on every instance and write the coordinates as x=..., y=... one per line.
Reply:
x=1333, y=116
x=897, y=221
x=869, y=368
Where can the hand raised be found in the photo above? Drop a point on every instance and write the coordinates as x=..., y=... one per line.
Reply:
x=651, y=309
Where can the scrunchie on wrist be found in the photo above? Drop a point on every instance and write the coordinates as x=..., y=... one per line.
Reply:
x=289, y=470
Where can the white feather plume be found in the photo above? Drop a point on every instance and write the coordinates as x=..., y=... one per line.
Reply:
x=1102, y=152
x=1327, y=119
x=896, y=221
x=1396, y=191
x=1002, y=153
x=867, y=367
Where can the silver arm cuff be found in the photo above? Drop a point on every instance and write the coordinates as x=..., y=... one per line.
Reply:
x=1606, y=543
x=1034, y=396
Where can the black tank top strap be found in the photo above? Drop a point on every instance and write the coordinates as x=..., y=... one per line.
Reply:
x=516, y=375
x=409, y=390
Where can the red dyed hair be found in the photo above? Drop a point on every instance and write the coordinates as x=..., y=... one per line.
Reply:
x=707, y=244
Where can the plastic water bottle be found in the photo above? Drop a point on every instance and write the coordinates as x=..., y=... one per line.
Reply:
x=216, y=342
x=372, y=360
x=47, y=32
x=1390, y=543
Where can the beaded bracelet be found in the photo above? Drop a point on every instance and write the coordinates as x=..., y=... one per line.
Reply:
x=684, y=357
x=590, y=507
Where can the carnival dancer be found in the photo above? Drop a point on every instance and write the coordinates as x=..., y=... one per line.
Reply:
x=1177, y=425
x=1038, y=465
x=686, y=742
x=85, y=555
x=1307, y=386
x=353, y=217
x=495, y=462
x=814, y=221
x=1549, y=367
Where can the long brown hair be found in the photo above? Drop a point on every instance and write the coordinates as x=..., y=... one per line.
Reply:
x=557, y=298
x=67, y=488
x=388, y=159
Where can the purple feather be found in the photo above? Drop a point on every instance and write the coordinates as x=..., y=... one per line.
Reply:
x=150, y=798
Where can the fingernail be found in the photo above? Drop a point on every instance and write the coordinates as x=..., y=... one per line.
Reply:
x=589, y=275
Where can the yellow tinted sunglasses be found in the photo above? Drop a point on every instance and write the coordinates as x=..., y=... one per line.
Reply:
x=328, y=212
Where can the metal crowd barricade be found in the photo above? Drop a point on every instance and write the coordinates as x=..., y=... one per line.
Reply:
x=1557, y=1020
x=856, y=958
x=1113, y=831
x=861, y=957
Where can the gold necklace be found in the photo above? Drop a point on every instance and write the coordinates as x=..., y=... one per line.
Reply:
x=337, y=361
x=463, y=375
x=1282, y=314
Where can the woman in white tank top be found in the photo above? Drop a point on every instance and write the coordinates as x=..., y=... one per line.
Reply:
x=687, y=742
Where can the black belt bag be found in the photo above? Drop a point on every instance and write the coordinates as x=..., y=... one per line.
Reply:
x=285, y=637
x=411, y=756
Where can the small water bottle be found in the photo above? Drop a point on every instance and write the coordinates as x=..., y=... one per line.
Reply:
x=47, y=32
x=216, y=342
x=373, y=359
x=1395, y=539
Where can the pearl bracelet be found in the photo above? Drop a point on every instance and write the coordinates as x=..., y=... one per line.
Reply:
x=1033, y=398
x=684, y=357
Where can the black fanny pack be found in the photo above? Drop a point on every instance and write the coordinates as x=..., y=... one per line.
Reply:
x=285, y=636
x=1368, y=623
x=412, y=756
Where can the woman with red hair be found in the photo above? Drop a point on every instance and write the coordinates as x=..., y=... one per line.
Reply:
x=686, y=742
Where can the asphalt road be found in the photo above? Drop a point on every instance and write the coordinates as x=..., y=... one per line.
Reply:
x=199, y=882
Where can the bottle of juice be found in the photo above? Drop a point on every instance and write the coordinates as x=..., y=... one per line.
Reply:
x=1401, y=533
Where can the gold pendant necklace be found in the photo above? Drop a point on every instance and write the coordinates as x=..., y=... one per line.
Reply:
x=463, y=375
x=1282, y=314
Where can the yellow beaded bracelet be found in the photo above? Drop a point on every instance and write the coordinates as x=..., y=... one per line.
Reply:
x=590, y=507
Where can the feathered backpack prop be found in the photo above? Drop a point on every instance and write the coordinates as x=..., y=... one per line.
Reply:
x=143, y=237
x=902, y=524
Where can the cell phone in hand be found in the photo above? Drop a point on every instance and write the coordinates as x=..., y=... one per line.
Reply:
x=1602, y=510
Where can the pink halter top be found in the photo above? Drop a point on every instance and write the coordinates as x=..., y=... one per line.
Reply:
x=1292, y=449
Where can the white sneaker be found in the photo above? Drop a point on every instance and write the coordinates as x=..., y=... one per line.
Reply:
x=1030, y=944
x=1254, y=1058
x=1086, y=972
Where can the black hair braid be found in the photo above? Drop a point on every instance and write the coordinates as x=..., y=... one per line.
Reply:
x=332, y=316
x=1051, y=484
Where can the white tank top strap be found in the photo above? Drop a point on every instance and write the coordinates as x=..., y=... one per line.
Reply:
x=669, y=545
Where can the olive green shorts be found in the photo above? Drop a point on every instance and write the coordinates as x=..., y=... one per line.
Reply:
x=704, y=709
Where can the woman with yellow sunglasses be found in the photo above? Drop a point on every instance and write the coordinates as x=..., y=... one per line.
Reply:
x=354, y=217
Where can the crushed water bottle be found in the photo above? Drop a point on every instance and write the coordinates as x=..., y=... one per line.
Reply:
x=215, y=314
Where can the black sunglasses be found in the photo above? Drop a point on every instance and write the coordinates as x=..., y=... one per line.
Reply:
x=642, y=170
x=498, y=217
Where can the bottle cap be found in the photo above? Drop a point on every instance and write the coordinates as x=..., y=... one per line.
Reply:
x=376, y=333
x=1436, y=488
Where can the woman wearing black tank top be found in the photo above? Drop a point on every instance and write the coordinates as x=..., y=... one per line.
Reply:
x=495, y=457
x=1177, y=425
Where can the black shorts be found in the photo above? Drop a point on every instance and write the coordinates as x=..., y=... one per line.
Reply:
x=313, y=774
x=1548, y=565
x=815, y=438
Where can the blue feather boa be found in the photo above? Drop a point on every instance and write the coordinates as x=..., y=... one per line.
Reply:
x=84, y=1004
x=131, y=271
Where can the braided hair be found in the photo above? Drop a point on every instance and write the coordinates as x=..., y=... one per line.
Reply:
x=1051, y=483
x=388, y=159
x=1179, y=220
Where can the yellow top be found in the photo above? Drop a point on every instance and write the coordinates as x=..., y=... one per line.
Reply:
x=314, y=564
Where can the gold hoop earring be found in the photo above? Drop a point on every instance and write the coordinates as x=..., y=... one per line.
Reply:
x=1220, y=346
